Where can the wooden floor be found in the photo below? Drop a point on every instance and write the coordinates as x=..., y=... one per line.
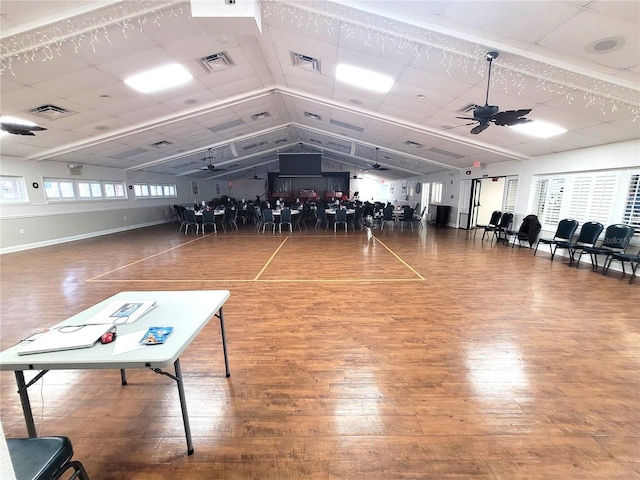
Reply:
x=417, y=355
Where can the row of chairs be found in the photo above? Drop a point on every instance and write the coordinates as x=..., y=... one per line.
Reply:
x=614, y=245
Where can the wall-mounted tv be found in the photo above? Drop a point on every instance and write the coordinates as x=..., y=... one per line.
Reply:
x=300, y=164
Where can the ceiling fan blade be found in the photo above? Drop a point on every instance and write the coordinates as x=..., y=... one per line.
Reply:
x=480, y=128
x=20, y=129
x=510, y=117
x=468, y=118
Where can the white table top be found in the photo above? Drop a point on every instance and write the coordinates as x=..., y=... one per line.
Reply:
x=187, y=311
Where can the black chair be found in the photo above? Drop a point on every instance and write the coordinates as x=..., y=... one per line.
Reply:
x=321, y=216
x=190, y=220
x=44, y=458
x=387, y=216
x=564, y=233
x=490, y=228
x=229, y=218
x=501, y=230
x=357, y=217
x=268, y=219
x=616, y=240
x=589, y=234
x=407, y=217
x=208, y=218
x=285, y=219
x=341, y=218
x=528, y=231
x=632, y=258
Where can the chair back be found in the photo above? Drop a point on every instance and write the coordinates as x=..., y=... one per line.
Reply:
x=189, y=215
x=285, y=215
x=387, y=213
x=208, y=216
x=495, y=218
x=566, y=229
x=505, y=220
x=589, y=233
x=407, y=214
x=341, y=215
x=617, y=237
x=321, y=213
x=267, y=215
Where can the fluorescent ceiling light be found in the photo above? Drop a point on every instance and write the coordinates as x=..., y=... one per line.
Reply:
x=159, y=78
x=539, y=129
x=364, y=78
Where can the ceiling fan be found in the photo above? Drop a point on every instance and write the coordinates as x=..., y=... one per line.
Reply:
x=377, y=166
x=20, y=128
x=211, y=167
x=486, y=114
x=255, y=175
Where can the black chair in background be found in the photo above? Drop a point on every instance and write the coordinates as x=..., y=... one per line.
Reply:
x=341, y=218
x=285, y=219
x=407, y=217
x=321, y=216
x=208, y=218
x=632, y=258
x=528, y=231
x=502, y=229
x=564, y=233
x=616, y=240
x=190, y=220
x=44, y=458
x=589, y=234
x=387, y=216
x=268, y=219
x=491, y=226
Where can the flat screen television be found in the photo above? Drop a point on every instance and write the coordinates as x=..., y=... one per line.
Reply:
x=300, y=164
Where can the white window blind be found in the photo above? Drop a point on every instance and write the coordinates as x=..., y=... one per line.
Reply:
x=510, y=195
x=12, y=189
x=631, y=212
x=553, y=201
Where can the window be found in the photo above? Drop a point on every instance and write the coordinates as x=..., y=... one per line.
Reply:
x=143, y=190
x=88, y=190
x=59, y=189
x=13, y=190
x=436, y=192
x=510, y=195
x=631, y=209
x=588, y=197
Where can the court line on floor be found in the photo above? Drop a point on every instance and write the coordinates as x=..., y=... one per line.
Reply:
x=398, y=257
x=278, y=280
x=141, y=260
x=257, y=277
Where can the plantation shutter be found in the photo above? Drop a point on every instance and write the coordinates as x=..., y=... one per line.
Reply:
x=631, y=213
x=510, y=195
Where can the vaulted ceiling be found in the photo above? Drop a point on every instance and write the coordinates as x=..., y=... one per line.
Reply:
x=254, y=94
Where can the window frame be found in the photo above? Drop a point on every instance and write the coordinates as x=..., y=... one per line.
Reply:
x=18, y=185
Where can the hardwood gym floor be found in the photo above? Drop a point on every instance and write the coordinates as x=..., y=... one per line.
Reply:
x=425, y=354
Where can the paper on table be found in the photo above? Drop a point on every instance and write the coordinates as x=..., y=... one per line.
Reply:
x=128, y=343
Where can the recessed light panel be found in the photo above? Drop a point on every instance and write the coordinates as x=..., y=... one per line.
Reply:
x=539, y=129
x=160, y=78
x=363, y=78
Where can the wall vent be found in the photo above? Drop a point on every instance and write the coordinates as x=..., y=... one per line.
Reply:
x=51, y=112
x=306, y=62
x=338, y=123
x=313, y=115
x=215, y=62
x=254, y=145
x=260, y=116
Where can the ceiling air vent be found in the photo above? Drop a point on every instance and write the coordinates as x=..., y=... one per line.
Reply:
x=305, y=62
x=161, y=144
x=313, y=115
x=50, y=112
x=260, y=116
x=215, y=62
x=254, y=145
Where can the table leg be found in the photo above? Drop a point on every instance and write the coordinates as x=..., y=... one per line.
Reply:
x=123, y=376
x=224, y=343
x=26, y=405
x=183, y=405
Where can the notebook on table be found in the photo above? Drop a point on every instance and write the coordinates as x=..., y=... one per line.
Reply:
x=65, y=338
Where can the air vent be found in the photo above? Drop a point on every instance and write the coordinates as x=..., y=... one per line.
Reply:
x=215, y=62
x=161, y=144
x=280, y=140
x=305, y=62
x=228, y=125
x=339, y=146
x=413, y=144
x=254, y=145
x=313, y=140
x=445, y=152
x=50, y=112
x=313, y=115
x=338, y=123
x=260, y=116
